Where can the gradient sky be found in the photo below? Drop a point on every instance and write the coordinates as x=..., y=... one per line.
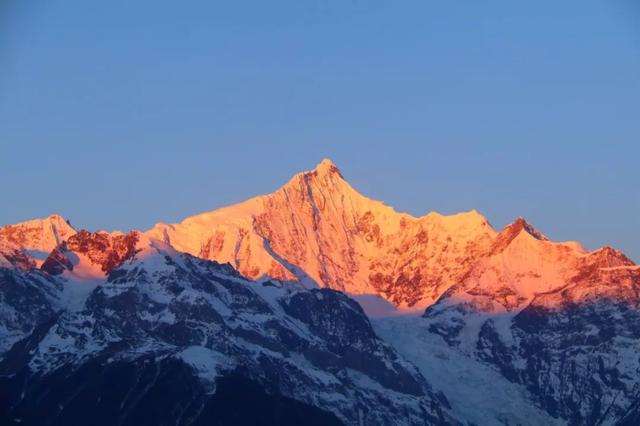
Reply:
x=121, y=114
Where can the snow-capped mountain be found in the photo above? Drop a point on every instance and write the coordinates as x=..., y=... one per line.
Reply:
x=172, y=317
x=27, y=244
x=259, y=298
x=560, y=325
x=317, y=228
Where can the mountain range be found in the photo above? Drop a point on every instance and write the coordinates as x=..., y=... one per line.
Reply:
x=315, y=304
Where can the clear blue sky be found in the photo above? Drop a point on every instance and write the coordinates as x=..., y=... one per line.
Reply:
x=120, y=114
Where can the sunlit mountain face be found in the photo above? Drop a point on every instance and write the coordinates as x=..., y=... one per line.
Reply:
x=315, y=305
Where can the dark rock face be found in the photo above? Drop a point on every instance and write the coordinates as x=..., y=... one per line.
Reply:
x=58, y=261
x=19, y=260
x=352, y=342
x=632, y=416
x=167, y=338
x=582, y=361
x=26, y=300
x=491, y=349
x=146, y=391
x=106, y=250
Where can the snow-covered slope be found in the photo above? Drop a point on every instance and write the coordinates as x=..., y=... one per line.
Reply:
x=164, y=309
x=477, y=392
x=27, y=244
x=318, y=228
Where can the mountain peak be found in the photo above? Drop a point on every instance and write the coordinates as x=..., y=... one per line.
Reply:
x=43, y=234
x=30, y=242
x=511, y=231
x=520, y=224
x=57, y=218
x=325, y=175
x=327, y=167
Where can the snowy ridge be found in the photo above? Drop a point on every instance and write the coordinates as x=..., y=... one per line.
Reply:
x=315, y=346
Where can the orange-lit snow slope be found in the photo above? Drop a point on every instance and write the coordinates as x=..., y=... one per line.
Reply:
x=27, y=244
x=317, y=228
